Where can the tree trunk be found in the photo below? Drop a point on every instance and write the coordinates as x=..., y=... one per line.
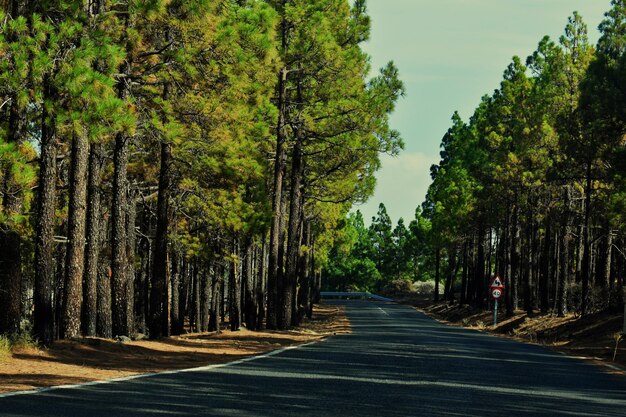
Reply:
x=175, y=317
x=92, y=250
x=304, y=270
x=314, y=294
x=513, y=305
x=234, y=292
x=527, y=251
x=104, y=315
x=463, y=297
x=195, y=319
x=158, y=286
x=250, y=304
x=261, y=281
x=604, y=263
x=216, y=290
x=119, y=262
x=450, y=274
x=586, y=269
x=276, y=231
x=131, y=243
x=75, y=254
x=43, y=324
x=205, y=299
x=544, y=277
x=480, y=285
x=561, y=301
x=294, y=238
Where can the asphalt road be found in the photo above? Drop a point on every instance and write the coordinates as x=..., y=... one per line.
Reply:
x=397, y=362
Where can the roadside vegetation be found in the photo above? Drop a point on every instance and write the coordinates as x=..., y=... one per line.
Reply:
x=179, y=166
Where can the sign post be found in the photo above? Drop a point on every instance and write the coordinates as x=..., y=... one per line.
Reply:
x=497, y=289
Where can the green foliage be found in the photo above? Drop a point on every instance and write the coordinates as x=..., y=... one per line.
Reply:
x=5, y=347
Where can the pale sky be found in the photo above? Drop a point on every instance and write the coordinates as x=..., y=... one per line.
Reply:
x=450, y=53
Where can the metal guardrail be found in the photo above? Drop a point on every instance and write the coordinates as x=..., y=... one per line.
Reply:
x=353, y=294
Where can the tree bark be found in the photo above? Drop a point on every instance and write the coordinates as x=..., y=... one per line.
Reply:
x=544, y=277
x=216, y=290
x=275, y=273
x=43, y=323
x=294, y=238
x=464, y=274
x=75, y=255
x=304, y=273
x=104, y=316
x=119, y=262
x=515, y=264
x=158, y=285
x=205, y=299
x=92, y=250
x=561, y=301
x=480, y=285
x=251, y=307
x=234, y=291
x=131, y=243
x=175, y=317
x=261, y=280
x=586, y=269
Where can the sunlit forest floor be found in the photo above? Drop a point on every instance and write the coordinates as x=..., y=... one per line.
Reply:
x=592, y=337
x=91, y=359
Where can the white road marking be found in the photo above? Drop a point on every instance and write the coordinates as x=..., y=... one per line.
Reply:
x=384, y=312
x=177, y=371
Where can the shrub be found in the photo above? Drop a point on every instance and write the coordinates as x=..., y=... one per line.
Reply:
x=23, y=340
x=425, y=288
x=598, y=299
x=5, y=347
x=398, y=287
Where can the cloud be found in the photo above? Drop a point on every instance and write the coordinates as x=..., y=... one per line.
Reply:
x=402, y=185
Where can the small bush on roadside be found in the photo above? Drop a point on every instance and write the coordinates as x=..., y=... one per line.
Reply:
x=23, y=340
x=5, y=347
x=598, y=298
x=398, y=287
x=427, y=288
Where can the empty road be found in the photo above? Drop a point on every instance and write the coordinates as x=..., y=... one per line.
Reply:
x=396, y=362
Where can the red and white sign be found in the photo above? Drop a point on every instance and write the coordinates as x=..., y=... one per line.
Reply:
x=496, y=288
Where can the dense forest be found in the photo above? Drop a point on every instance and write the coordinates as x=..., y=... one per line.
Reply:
x=531, y=188
x=168, y=166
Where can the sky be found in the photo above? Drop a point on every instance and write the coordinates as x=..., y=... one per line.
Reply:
x=450, y=53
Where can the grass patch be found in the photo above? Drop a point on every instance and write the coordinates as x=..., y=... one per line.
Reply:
x=19, y=342
x=23, y=340
x=5, y=347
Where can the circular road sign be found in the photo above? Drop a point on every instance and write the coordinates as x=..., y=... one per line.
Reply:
x=496, y=293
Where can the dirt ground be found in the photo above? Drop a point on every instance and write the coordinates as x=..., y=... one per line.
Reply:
x=91, y=359
x=591, y=338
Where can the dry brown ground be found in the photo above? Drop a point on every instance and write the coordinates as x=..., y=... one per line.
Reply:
x=591, y=337
x=91, y=359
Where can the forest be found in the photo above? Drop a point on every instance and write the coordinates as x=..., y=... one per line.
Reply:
x=170, y=166
x=531, y=188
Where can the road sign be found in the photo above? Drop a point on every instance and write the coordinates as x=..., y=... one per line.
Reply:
x=497, y=288
x=497, y=282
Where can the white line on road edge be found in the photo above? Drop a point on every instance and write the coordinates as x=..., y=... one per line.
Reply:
x=176, y=371
x=384, y=312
